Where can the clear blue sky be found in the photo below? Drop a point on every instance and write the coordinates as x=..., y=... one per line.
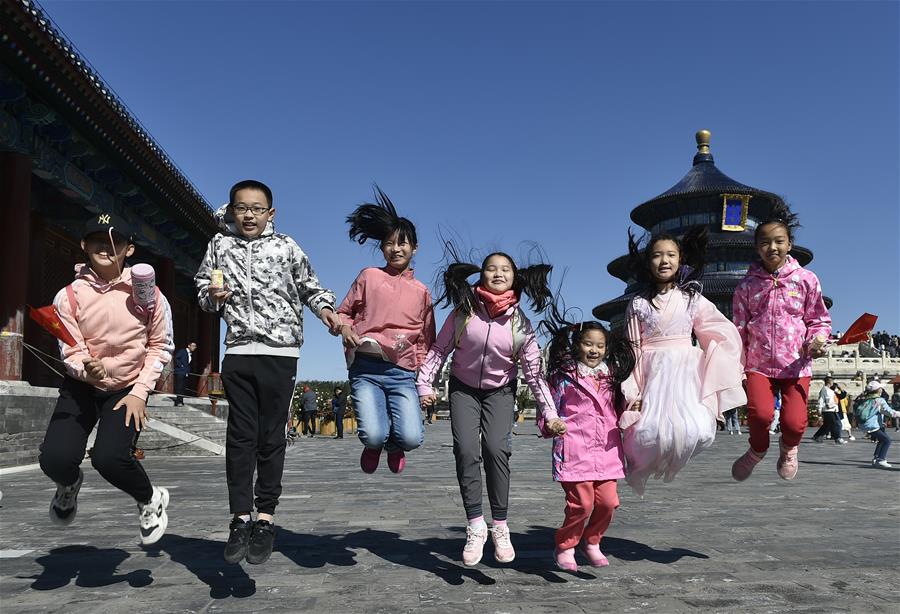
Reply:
x=514, y=121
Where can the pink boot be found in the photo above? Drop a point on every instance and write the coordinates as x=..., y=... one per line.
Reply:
x=396, y=461
x=593, y=554
x=743, y=467
x=787, y=461
x=565, y=559
x=368, y=460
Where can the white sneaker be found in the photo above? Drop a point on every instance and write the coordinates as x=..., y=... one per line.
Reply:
x=153, y=516
x=474, y=548
x=503, y=548
x=64, y=505
x=882, y=463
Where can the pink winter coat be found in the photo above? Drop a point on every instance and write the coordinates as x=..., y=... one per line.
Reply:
x=394, y=309
x=484, y=357
x=106, y=325
x=778, y=316
x=591, y=448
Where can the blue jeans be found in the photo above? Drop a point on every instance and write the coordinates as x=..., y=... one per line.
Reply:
x=732, y=423
x=387, y=405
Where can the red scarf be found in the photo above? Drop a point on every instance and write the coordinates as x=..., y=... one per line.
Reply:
x=497, y=304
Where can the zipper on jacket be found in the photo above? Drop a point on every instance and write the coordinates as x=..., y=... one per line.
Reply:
x=484, y=355
x=773, y=341
x=250, y=291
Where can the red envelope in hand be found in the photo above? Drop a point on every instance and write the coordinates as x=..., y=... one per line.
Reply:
x=859, y=330
x=48, y=319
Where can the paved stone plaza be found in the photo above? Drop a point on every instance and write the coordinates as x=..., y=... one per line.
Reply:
x=829, y=542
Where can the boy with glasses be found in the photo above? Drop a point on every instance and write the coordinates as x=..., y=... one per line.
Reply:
x=259, y=279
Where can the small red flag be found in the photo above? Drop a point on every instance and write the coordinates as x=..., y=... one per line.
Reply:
x=859, y=330
x=48, y=319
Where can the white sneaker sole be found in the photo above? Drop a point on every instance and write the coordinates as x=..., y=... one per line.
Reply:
x=160, y=529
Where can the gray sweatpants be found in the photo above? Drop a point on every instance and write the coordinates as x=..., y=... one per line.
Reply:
x=481, y=422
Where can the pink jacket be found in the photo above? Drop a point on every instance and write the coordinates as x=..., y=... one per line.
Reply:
x=777, y=317
x=395, y=310
x=591, y=448
x=484, y=358
x=107, y=326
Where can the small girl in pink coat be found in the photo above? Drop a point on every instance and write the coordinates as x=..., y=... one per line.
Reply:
x=784, y=324
x=586, y=367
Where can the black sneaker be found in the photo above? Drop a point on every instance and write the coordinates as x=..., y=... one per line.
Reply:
x=65, y=502
x=236, y=548
x=262, y=538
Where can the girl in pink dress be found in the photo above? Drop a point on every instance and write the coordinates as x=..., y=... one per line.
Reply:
x=586, y=366
x=679, y=388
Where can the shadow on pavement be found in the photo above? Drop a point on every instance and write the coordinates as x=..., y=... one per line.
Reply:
x=88, y=567
x=203, y=558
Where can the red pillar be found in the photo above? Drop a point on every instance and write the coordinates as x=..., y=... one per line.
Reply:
x=203, y=360
x=15, y=187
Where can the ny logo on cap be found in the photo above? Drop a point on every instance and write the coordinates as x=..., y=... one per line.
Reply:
x=104, y=219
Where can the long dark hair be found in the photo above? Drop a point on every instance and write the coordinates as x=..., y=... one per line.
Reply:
x=565, y=337
x=692, y=257
x=532, y=281
x=378, y=221
x=782, y=215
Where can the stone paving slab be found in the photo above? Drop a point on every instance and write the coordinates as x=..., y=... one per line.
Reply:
x=347, y=542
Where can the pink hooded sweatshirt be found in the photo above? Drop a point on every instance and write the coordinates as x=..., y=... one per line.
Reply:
x=393, y=309
x=591, y=448
x=778, y=315
x=484, y=357
x=107, y=326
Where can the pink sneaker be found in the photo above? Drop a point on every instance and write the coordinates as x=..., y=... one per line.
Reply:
x=396, y=461
x=565, y=559
x=474, y=547
x=787, y=461
x=503, y=548
x=743, y=467
x=593, y=554
x=368, y=460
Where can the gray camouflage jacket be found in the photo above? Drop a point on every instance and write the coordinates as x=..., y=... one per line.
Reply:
x=271, y=279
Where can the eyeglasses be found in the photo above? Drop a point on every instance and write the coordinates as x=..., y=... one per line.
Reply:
x=242, y=209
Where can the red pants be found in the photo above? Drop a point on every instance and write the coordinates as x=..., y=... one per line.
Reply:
x=593, y=502
x=761, y=409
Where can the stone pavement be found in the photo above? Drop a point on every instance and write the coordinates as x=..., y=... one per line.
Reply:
x=828, y=542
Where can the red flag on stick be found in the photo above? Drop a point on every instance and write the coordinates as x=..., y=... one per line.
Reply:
x=48, y=319
x=859, y=330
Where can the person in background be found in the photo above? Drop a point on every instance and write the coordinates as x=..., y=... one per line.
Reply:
x=337, y=408
x=182, y=370
x=309, y=407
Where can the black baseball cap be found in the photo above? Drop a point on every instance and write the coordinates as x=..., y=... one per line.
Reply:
x=103, y=222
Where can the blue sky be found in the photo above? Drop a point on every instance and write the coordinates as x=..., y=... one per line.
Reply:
x=510, y=122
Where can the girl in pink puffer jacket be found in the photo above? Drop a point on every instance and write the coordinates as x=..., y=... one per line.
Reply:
x=784, y=324
x=587, y=366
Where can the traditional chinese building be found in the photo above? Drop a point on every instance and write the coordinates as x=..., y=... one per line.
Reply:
x=70, y=149
x=731, y=211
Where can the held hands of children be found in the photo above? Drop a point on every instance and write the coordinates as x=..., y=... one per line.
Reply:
x=556, y=427
x=332, y=321
x=94, y=368
x=134, y=408
x=351, y=339
x=427, y=400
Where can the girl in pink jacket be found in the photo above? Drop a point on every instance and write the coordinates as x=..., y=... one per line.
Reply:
x=488, y=335
x=587, y=366
x=388, y=326
x=784, y=324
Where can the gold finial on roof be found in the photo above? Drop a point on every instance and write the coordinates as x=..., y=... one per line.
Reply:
x=703, y=137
